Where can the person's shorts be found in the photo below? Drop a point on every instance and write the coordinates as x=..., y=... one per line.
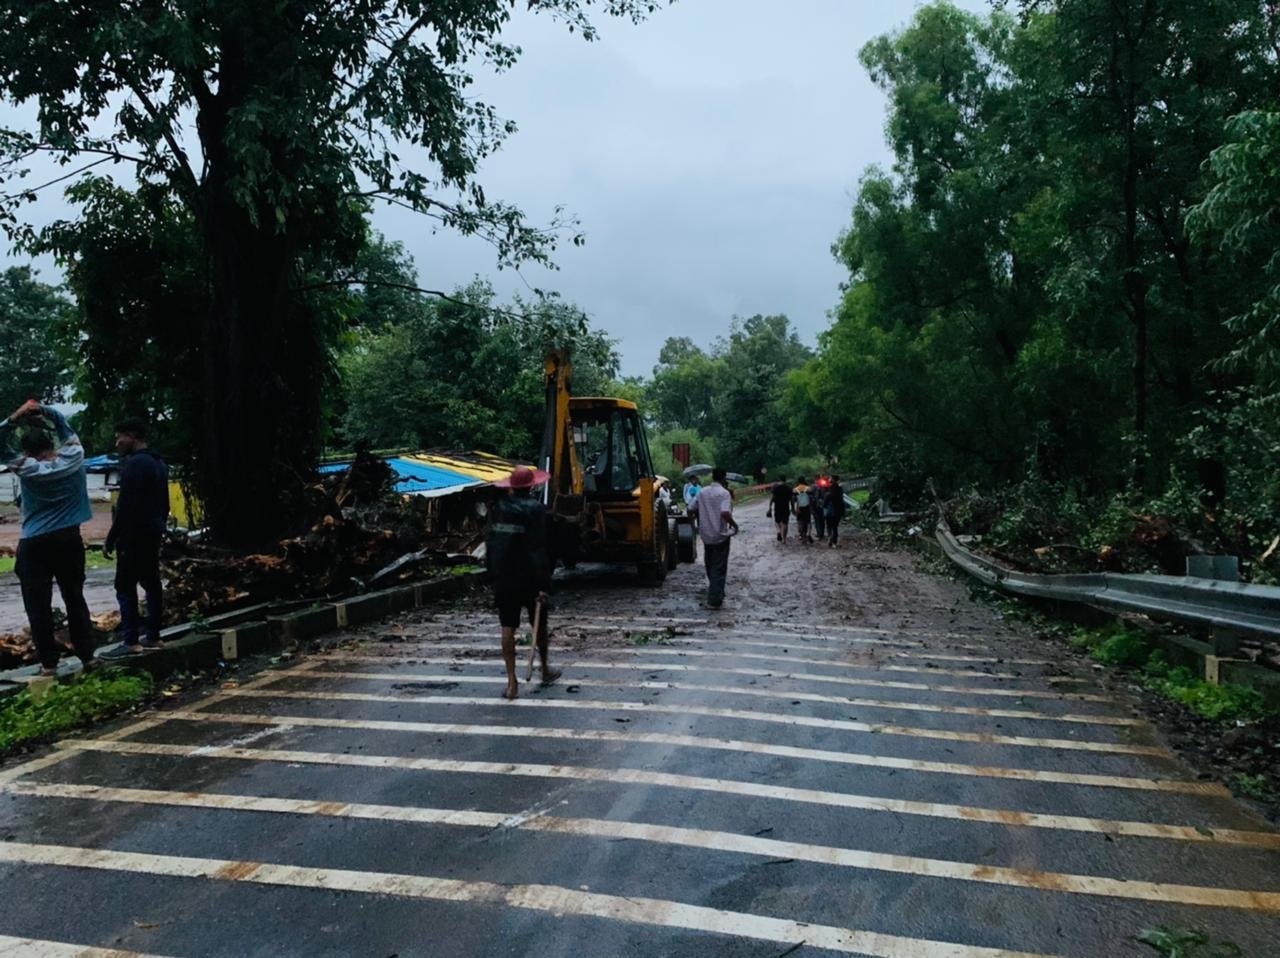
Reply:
x=510, y=602
x=782, y=516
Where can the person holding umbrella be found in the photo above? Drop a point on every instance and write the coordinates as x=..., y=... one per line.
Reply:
x=518, y=558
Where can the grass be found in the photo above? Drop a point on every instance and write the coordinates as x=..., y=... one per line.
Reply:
x=33, y=715
x=1121, y=645
x=1114, y=644
x=1255, y=786
x=1172, y=942
x=92, y=560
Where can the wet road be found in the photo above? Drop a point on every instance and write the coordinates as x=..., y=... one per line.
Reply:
x=848, y=758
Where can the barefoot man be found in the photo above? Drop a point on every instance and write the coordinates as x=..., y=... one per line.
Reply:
x=520, y=563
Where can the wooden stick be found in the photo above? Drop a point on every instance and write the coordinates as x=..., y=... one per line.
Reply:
x=533, y=646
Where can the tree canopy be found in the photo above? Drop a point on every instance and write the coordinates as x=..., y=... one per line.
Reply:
x=274, y=127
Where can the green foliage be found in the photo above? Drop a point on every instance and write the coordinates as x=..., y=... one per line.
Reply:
x=736, y=393
x=1024, y=301
x=63, y=705
x=1256, y=787
x=1226, y=702
x=133, y=340
x=1114, y=644
x=274, y=127
x=1241, y=214
x=1172, y=942
x=701, y=450
x=465, y=373
x=30, y=312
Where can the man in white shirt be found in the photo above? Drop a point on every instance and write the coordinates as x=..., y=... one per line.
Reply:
x=716, y=526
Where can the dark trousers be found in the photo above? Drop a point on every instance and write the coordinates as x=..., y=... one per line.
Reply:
x=717, y=559
x=138, y=564
x=819, y=523
x=42, y=560
x=833, y=528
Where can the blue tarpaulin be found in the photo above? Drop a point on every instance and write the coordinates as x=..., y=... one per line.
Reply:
x=419, y=478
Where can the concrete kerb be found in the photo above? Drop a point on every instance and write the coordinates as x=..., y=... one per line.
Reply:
x=233, y=635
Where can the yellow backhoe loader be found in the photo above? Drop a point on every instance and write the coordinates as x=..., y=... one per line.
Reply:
x=603, y=493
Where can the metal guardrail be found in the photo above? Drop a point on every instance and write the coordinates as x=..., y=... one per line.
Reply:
x=1234, y=607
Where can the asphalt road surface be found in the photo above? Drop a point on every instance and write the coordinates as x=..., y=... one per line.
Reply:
x=849, y=758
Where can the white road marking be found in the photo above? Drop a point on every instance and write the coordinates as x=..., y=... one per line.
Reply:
x=968, y=690
x=701, y=741
x=892, y=704
x=755, y=673
x=730, y=626
x=661, y=648
x=486, y=628
x=541, y=898
x=39, y=948
x=537, y=820
x=848, y=725
x=735, y=787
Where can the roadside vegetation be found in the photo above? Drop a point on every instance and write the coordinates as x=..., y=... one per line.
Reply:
x=1061, y=298
x=35, y=714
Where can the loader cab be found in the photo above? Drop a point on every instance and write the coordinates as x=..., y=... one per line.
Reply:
x=611, y=448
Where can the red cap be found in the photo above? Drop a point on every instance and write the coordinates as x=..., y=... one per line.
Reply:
x=522, y=477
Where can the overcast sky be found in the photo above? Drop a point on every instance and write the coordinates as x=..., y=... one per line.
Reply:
x=710, y=153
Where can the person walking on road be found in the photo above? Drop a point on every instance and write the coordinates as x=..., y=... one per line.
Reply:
x=780, y=507
x=802, y=497
x=518, y=557
x=691, y=490
x=716, y=526
x=55, y=501
x=835, y=509
x=819, y=507
x=137, y=529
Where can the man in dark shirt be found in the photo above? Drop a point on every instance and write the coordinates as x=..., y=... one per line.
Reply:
x=137, y=528
x=780, y=507
x=834, y=509
x=519, y=560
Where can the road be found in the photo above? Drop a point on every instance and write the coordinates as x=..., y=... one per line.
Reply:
x=849, y=758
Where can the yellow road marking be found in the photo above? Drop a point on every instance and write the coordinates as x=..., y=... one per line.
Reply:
x=541, y=898
x=757, y=692
x=720, y=841
x=636, y=776
x=848, y=725
x=700, y=741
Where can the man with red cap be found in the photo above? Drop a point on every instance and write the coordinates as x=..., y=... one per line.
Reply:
x=518, y=559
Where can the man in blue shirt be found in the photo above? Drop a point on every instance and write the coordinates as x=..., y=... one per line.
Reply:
x=55, y=501
x=137, y=528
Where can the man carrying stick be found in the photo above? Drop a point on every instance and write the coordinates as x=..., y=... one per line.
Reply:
x=517, y=556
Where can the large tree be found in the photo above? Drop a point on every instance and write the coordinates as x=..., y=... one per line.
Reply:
x=274, y=124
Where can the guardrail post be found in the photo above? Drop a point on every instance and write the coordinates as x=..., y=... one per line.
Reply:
x=1225, y=568
x=1226, y=643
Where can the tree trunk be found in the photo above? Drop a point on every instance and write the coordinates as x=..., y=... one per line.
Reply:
x=261, y=379
x=263, y=362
